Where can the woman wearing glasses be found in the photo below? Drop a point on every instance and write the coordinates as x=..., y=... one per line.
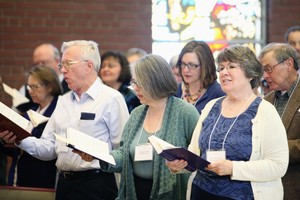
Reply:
x=241, y=135
x=44, y=88
x=197, y=68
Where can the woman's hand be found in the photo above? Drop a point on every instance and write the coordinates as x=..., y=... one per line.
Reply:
x=8, y=137
x=84, y=156
x=176, y=165
x=221, y=167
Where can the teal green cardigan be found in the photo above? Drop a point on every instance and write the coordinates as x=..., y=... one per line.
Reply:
x=179, y=121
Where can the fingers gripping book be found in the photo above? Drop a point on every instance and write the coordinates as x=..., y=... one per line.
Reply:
x=88, y=144
x=171, y=152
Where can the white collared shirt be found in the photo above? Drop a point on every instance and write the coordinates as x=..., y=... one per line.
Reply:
x=110, y=115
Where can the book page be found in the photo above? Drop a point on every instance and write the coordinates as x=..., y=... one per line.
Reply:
x=36, y=118
x=159, y=145
x=17, y=97
x=14, y=116
x=88, y=144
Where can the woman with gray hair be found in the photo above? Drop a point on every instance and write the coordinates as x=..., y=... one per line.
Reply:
x=144, y=175
x=240, y=134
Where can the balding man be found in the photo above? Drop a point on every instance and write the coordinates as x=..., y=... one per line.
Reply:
x=47, y=55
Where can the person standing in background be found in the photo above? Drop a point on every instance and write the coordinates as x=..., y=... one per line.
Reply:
x=292, y=37
x=91, y=107
x=115, y=73
x=199, y=77
x=134, y=54
x=45, y=54
x=175, y=70
x=280, y=64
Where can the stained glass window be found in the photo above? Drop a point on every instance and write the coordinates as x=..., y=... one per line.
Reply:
x=217, y=22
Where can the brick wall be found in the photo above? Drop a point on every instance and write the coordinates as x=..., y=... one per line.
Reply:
x=281, y=14
x=114, y=24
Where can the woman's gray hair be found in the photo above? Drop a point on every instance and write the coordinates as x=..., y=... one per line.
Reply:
x=247, y=60
x=154, y=75
x=282, y=51
x=89, y=51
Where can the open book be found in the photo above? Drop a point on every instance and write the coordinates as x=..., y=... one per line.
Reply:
x=170, y=152
x=88, y=144
x=36, y=118
x=13, y=121
x=17, y=97
x=19, y=125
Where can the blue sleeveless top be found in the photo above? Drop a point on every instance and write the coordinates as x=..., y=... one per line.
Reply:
x=238, y=146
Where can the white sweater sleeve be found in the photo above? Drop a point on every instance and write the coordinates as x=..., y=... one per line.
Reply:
x=269, y=158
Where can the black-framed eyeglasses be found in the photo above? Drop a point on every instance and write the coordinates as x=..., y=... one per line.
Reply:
x=269, y=70
x=133, y=83
x=188, y=65
x=68, y=63
x=33, y=86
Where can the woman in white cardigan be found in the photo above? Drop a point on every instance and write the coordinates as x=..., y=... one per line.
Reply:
x=240, y=134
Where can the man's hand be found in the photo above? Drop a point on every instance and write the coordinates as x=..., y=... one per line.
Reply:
x=84, y=156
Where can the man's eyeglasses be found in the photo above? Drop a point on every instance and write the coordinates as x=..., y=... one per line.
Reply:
x=269, y=70
x=33, y=86
x=67, y=64
x=133, y=83
x=188, y=65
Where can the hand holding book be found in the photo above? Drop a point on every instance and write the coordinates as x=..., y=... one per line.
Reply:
x=170, y=153
x=85, y=143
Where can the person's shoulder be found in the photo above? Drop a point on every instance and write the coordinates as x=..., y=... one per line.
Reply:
x=215, y=86
x=137, y=111
x=66, y=95
x=212, y=102
x=178, y=92
x=108, y=91
x=269, y=96
x=266, y=107
x=179, y=104
x=266, y=104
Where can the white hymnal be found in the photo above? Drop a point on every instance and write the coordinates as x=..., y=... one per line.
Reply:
x=36, y=118
x=88, y=144
x=17, y=97
x=159, y=145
